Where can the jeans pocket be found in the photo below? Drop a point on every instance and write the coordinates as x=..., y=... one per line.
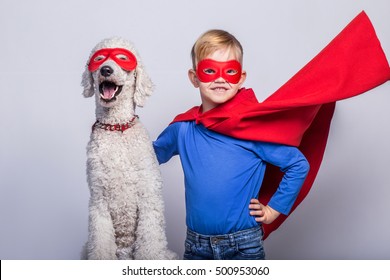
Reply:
x=251, y=250
x=188, y=245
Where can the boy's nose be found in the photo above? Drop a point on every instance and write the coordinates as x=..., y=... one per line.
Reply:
x=220, y=80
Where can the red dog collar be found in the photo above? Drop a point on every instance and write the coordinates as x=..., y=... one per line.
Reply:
x=124, y=58
x=209, y=70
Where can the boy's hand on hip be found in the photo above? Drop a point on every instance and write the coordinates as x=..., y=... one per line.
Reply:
x=262, y=213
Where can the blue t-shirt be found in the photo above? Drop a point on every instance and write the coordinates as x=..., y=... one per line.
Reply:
x=222, y=174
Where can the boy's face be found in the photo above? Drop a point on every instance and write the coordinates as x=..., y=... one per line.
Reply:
x=217, y=87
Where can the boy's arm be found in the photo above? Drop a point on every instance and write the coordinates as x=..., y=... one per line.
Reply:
x=165, y=146
x=295, y=167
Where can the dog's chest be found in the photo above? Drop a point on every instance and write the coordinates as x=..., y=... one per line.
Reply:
x=118, y=156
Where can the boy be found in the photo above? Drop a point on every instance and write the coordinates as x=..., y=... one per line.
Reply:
x=223, y=174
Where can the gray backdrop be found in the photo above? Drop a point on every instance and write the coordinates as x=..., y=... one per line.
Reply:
x=45, y=122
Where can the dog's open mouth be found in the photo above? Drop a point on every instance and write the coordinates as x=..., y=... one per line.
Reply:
x=109, y=91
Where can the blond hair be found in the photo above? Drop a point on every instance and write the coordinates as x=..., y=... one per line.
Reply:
x=213, y=40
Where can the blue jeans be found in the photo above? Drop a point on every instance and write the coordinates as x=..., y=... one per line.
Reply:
x=241, y=245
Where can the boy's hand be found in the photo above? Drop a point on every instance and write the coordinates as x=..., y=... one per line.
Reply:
x=263, y=213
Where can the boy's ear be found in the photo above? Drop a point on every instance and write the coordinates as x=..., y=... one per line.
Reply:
x=193, y=78
x=243, y=78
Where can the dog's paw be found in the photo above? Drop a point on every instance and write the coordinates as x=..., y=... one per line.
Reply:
x=170, y=255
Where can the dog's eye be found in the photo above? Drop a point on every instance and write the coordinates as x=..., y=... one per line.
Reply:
x=122, y=57
x=99, y=58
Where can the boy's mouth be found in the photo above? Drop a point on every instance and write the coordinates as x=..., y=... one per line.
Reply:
x=219, y=89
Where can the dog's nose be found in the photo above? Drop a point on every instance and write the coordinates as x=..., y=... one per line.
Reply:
x=106, y=71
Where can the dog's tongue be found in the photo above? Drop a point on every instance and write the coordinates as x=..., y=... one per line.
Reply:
x=109, y=90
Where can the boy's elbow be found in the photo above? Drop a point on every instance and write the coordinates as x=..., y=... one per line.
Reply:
x=302, y=167
x=157, y=154
x=305, y=167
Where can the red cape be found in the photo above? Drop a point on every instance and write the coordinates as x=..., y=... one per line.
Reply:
x=300, y=112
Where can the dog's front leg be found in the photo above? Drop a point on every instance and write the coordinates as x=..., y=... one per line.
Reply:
x=101, y=240
x=151, y=242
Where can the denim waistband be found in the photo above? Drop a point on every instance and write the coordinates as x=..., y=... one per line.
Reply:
x=230, y=238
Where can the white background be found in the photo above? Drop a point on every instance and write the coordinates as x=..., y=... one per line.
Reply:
x=45, y=122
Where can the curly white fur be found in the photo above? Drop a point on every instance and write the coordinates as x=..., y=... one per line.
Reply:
x=126, y=219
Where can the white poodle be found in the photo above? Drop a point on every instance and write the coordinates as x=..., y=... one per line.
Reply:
x=126, y=211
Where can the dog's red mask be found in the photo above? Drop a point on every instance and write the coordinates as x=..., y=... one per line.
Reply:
x=124, y=58
x=209, y=70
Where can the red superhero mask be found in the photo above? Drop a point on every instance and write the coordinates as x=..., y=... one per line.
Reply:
x=124, y=58
x=209, y=70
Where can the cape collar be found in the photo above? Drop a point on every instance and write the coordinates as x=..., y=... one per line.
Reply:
x=243, y=98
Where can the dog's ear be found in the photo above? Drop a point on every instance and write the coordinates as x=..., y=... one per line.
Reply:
x=87, y=83
x=143, y=86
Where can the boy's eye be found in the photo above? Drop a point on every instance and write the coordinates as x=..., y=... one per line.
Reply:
x=122, y=57
x=209, y=71
x=99, y=58
x=231, y=72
